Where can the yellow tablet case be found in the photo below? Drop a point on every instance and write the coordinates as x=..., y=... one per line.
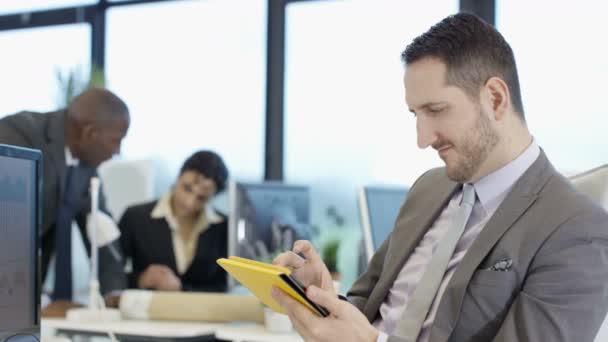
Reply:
x=259, y=278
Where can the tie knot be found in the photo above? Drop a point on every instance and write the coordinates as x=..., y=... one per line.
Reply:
x=468, y=194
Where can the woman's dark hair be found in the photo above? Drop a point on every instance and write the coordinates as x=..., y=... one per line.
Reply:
x=210, y=165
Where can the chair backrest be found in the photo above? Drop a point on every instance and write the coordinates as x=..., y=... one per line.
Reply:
x=594, y=183
x=127, y=182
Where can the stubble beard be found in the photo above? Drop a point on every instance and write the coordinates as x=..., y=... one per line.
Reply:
x=474, y=148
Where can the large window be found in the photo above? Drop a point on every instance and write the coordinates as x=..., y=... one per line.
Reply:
x=35, y=60
x=19, y=6
x=563, y=83
x=347, y=124
x=193, y=76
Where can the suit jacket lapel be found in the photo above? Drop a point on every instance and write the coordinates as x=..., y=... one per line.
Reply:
x=519, y=199
x=409, y=230
x=168, y=249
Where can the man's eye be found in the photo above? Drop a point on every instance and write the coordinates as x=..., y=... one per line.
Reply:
x=435, y=111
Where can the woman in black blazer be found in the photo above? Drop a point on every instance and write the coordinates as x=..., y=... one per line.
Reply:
x=173, y=242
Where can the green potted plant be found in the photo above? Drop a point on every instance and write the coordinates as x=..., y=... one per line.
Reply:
x=72, y=82
x=329, y=254
x=330, y=240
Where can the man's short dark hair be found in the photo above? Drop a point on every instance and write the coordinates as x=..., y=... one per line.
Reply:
x=210, y=165
x=473, y=52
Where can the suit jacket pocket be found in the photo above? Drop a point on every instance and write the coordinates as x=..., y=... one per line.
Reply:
x=486, y=303
x=487, y=278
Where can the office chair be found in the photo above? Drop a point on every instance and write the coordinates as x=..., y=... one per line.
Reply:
x=594, y=183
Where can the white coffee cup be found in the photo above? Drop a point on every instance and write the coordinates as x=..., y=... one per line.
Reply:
x=276, y=322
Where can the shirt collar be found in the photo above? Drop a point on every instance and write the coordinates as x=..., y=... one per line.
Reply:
x=162, y=209
x=491, y=188
x=70, y=160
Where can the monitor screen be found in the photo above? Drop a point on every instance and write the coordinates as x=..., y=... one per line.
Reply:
x=266, y=218
x=379, y=207
x=20, y=183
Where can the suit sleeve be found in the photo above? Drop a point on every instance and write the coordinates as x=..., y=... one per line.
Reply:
x=362, y=288
x=565, y=294
x=12, y=134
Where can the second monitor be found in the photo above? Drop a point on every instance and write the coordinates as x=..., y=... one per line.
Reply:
x=379, y=207
x=266, y=218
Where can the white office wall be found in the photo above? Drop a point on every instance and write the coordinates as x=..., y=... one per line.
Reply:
x=561, y=52
x=346, y=122
x=193, y=76
x=31, y=61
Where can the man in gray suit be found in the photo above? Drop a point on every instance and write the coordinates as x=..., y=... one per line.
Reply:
x=73, y=141
x=495, y=246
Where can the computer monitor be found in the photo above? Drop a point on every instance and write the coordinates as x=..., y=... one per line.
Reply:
x=379, y=207
x=20, y=221
x=266, y=218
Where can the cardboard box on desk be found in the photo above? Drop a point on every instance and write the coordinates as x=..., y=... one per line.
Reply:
x=190, y=306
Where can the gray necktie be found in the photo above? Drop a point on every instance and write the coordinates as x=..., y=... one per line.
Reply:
x=417, y=308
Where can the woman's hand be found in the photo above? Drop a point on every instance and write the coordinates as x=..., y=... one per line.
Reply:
x=159, y=277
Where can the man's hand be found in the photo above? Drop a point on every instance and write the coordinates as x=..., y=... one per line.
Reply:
x=112, y=299
x=58, y=309
x=159, y=277
x=345, y=322
x=309, y=271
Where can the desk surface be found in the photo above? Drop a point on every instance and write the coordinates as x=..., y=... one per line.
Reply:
x=159, y=329
x=252, y=332
x=170, y=331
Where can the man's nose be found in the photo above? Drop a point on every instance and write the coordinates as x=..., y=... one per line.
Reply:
x=425, y=133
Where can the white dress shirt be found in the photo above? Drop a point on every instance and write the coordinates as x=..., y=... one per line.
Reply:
x=490, y=191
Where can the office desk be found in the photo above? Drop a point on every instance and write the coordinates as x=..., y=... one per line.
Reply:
x=251, y=332
x=165, y=331
x=137, y=330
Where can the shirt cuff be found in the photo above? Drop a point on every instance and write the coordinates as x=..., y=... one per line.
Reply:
x=382, y=337
x=45, y=300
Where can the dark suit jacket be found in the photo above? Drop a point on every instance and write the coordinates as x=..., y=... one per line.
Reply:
x=557, y=239
x=146, y=240
x=45, y=132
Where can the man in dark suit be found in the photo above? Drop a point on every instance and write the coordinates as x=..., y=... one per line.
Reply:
x=73, y=141
x=496, y=245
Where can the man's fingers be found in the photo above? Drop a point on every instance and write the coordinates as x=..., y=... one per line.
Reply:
x=286, y=302
x=325, y=298
x=306, y=248
x=292, y=306
x=289, y=259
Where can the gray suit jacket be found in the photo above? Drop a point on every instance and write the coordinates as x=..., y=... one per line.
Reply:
x=45, y=132
x=557, y=287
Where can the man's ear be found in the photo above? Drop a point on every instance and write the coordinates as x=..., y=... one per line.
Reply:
x=88, y=132
x=499, y=98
